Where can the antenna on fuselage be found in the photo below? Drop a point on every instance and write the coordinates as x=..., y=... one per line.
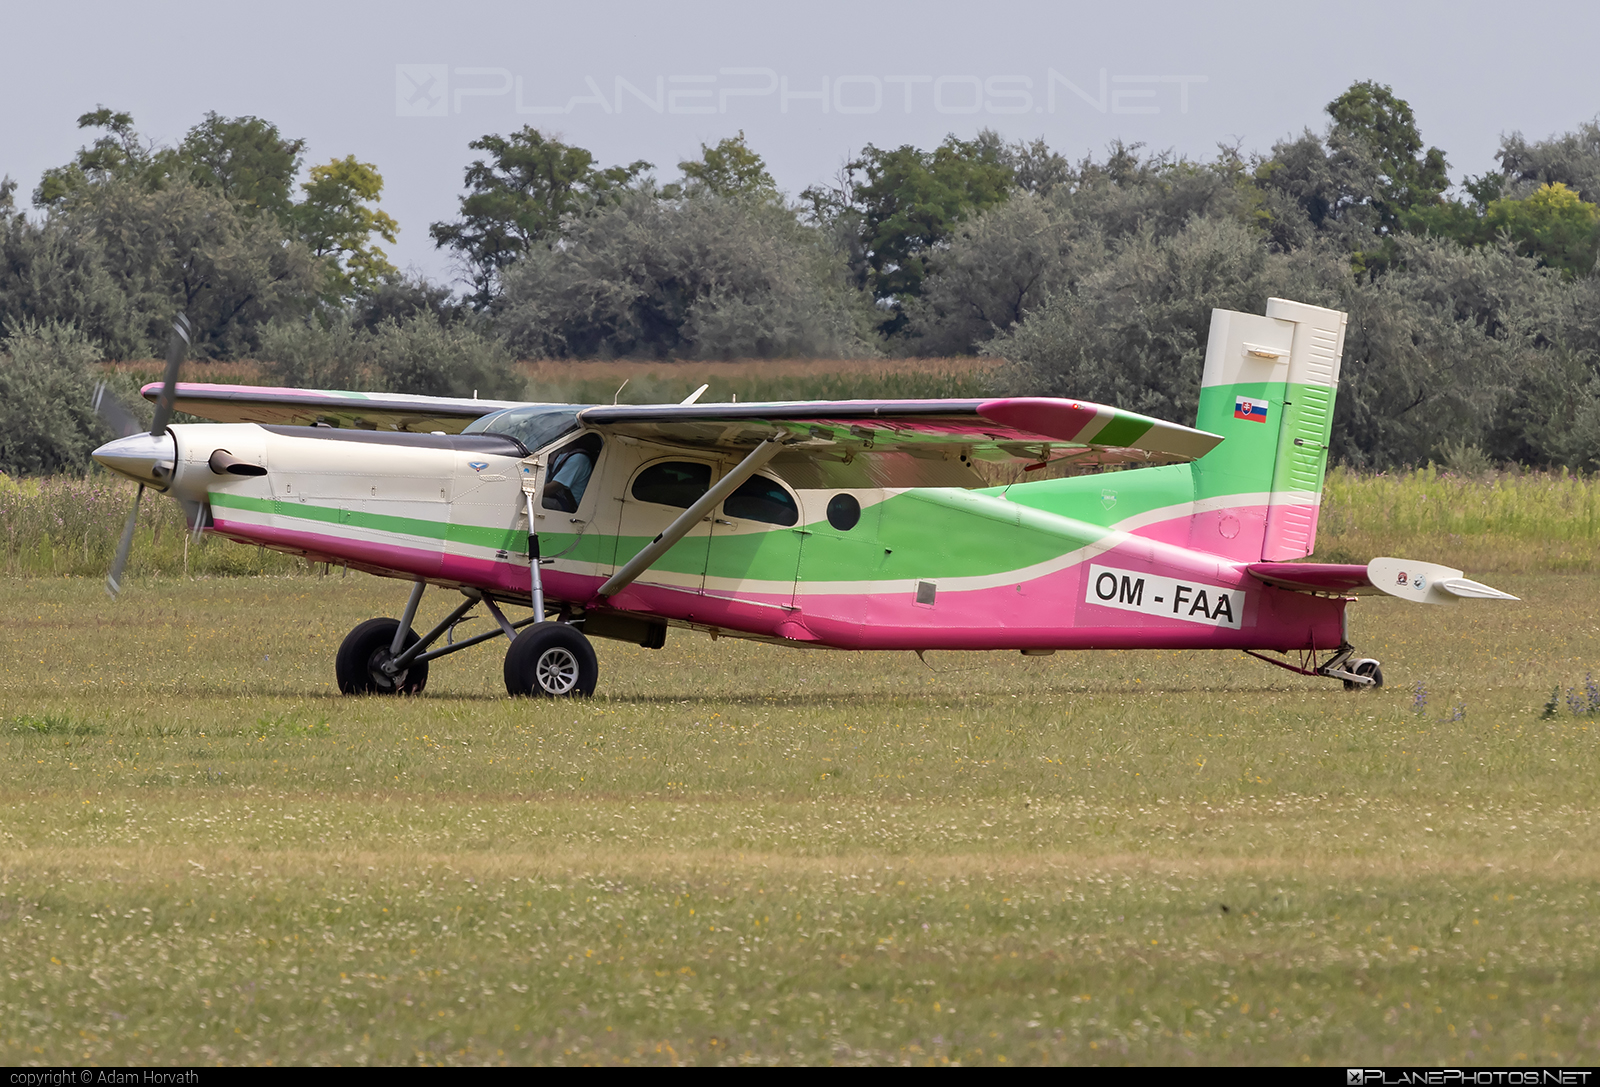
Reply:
x=618, y=393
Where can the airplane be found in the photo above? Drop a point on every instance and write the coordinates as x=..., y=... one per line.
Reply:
x=862, y=524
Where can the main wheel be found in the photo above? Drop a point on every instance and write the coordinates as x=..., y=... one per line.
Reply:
x=1365, y=667
x=359, y=664
x=551, y=660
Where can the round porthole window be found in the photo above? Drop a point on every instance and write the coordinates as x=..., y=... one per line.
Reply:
x=844, y=512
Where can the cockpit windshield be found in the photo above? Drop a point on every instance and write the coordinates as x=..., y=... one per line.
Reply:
x=535, y=425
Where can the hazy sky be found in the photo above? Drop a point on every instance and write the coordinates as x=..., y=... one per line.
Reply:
x=406, y=85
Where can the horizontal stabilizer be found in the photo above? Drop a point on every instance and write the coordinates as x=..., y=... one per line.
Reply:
x=1427, y=582
x=1419, y=582
x=1472, y=590
x=1341, y=579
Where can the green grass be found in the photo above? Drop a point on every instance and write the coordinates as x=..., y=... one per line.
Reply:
x=740, y=853
x=1522, y=523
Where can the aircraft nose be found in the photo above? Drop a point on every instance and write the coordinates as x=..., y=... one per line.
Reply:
x=141, y=457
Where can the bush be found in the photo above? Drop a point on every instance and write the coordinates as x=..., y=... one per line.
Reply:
x=417, y=354
x=700, y=276
x=47, y=422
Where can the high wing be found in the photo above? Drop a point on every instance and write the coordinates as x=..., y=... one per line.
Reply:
x=1033, y=429
x=308, y=407
x=1036, y=429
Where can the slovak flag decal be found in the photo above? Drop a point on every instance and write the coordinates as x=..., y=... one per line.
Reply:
x=1253, y=410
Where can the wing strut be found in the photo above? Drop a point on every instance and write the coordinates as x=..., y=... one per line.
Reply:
x=690, y=517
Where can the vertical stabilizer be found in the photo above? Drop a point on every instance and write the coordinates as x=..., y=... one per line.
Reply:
x=1268, y=388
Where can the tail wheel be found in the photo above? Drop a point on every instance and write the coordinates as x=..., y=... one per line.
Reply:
x=551, y=660
x=1365, y=667
x=359, y=664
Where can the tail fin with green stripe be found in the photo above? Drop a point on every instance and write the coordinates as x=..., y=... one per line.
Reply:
x=1268, y=388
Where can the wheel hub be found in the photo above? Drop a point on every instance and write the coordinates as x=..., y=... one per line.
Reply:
x=556, y=671
x=381, y=667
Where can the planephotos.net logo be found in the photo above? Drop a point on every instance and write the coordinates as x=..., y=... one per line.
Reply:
x=1450, y=1077
x=439, y=90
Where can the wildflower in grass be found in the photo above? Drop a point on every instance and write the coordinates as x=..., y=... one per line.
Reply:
x=1458, y=712
x=1419, y=697
x=1576, y=703
x=1593, y=691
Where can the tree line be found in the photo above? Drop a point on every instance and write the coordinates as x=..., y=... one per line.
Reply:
x=1475, y=306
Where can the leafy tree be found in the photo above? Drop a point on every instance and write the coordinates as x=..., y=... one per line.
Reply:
x=1134, y=331
x=521, y=197
x=700, y=277
x=247, y=160
x=55, y=272
x=904, y=203
x=1378, y=131
x=1435, y=348
x=119, y=154
x=336, y=221
x=401, y=296
x=183, y=248
x=1035, y=168
x=1553, y=226
x=1003, y=262
x=911, y=201
x=999, y=266
x=1572, y=159
x=729, y=169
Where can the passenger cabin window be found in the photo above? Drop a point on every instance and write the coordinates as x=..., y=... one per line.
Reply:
x=673, y=483
x=761, y=499
x=568, y=474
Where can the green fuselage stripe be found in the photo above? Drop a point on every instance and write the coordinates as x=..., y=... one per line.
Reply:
x=498, y=539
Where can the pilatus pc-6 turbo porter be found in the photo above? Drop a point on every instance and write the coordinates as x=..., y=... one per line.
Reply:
x=860, y=524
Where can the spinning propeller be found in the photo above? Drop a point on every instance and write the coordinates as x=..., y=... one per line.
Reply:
x=148, y=458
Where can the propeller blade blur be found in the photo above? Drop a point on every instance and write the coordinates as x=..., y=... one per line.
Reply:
x=177, y=347
x=115, y=414
x=114, y=578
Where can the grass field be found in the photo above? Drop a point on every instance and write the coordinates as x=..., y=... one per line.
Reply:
x=746, y=854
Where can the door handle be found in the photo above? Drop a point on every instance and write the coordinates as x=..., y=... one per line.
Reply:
x=730, y=524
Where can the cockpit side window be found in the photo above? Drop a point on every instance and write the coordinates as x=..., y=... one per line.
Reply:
x=534, y=425
x=567, y=477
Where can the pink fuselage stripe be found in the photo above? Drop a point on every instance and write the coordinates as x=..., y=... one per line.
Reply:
x=1045, y=612
x=387, y=560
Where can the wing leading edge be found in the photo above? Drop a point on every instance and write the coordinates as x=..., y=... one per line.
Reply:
x=308, y=407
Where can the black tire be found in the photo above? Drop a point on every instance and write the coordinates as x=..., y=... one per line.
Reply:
x=359, y=664
x=1367, y=667
x=551, y=660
